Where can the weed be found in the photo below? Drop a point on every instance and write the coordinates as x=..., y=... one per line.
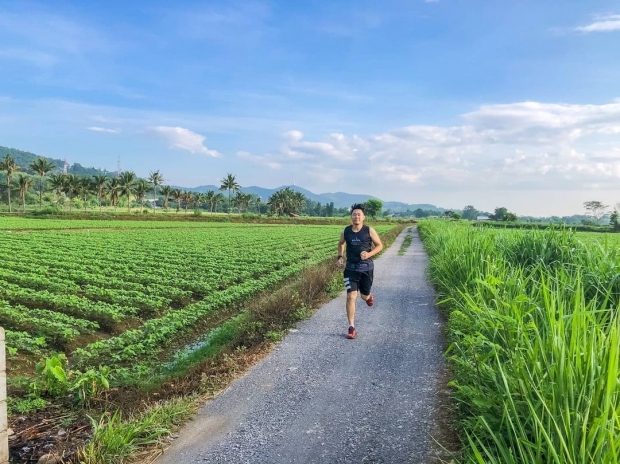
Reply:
x=28, y=405
x=116, y=439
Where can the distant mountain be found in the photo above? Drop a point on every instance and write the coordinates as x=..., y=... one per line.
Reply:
x=340, y=199
x=24, y=158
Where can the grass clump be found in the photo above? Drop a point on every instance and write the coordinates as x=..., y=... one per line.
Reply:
x=406, y=244
x=534, y=332
x=115, y=438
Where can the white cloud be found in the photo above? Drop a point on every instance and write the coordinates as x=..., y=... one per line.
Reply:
x=185, y=139
x=602, y=24
x=104, y=129
x=518, y=146
x=259, y=160
x=337, y=146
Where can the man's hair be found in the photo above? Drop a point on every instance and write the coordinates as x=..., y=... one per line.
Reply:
x=357, y=206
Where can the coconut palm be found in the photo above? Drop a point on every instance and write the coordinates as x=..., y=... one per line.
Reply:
x=141, y=188
x=156, y=179
x=99, y=185
x=8, y=165
x=166, y=192
x=277, y=202
x=187, y=198
x=127, y=182
x=197, y=199
x=298, y=202
x=219, y=198
x=24, y=182
x=83, y=188
x=41, y=166
x=210, y=198
x=229, y=183
x=71, y=187
x=113, y=188
x=177, y=196
x=287, y=201
x=242, y=200
x=57, y=182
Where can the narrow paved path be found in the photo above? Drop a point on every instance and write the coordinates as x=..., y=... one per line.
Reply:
x=320, y=398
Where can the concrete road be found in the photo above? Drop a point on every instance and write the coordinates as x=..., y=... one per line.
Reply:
x=320, y=398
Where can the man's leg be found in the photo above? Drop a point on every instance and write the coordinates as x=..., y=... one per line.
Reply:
x=351, y=280
x=365, y=286
x=351, y=297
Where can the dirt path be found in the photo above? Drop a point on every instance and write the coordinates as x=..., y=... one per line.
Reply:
x=320, y=398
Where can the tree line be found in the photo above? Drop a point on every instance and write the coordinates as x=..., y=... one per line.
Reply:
x=127, y=189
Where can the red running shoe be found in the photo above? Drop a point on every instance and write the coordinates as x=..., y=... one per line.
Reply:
x=371, y=300
x=352, y=333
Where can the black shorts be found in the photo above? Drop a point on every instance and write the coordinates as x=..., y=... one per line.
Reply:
x=356, y=280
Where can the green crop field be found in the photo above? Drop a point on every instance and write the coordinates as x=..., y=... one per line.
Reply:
x=534, y=328
x=123, y=298
x=604, y=239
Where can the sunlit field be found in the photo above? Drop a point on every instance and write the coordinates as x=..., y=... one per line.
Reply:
x=124, y=297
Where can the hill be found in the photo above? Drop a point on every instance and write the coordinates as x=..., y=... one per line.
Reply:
x=24, y=158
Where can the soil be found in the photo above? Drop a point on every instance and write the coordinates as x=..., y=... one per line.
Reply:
x=50, y=431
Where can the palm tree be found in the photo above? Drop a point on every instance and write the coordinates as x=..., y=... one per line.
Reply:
x=166, y=192
x=41, y=166
x=113, y=188
x=197, y=199
x=218, y=199
x=258, y=201
x=83, y=188
x=70, y=188
x=177, y=196
x=187, y=198
x=156, y=179
x=298, y=201
x=58, y=182
x=8, y=165
x=286, y=201
x=24, y=182
x=229, y=183
x=242, y=200
x=99, y=184
x=141, y=188
x=127, y=181
x=210, y=198
x=277, y=202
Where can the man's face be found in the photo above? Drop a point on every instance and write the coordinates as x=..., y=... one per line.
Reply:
x=357, y=216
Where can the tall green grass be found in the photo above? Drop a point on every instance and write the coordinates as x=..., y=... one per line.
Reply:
x=535, y=334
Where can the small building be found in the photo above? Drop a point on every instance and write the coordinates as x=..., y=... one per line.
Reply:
x=483, y=218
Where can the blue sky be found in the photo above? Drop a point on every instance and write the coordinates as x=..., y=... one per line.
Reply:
x=448, y=102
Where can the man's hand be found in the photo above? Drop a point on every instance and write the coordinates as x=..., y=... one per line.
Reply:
x=365, y=255
x=340, y=261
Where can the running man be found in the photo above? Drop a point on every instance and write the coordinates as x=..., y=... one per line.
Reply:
x=359, y=269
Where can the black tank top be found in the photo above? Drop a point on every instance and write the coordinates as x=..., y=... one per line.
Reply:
x=356, y=243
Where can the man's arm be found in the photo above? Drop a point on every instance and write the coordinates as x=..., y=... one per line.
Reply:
x=376, y=241
x=341, y=249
